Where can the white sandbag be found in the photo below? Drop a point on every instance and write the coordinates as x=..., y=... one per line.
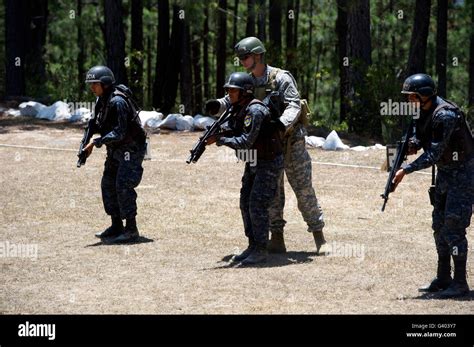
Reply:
x=201, y=122
x=150, y=118
x=314, y=141
x=378, y=146
x=30, y=108
x=333, y=142
x=57, y=111
x=12, y=112
x=359, y=148
x=154, y=122
x=82, y=115
x=185, y=123
x=170, y=121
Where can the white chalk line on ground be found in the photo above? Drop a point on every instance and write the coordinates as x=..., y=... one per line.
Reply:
x=178, y=160
x=40, y=148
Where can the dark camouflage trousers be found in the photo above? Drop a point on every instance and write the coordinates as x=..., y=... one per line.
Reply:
x=122, y=173
x=298, y=170
x=259, y=186
x=454, y=196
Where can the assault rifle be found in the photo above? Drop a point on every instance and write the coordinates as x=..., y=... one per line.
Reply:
x=88, y=133
x=214, y=129
x=402, y=151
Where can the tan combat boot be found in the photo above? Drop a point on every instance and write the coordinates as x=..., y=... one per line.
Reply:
x=276, y=243
x=321, y=248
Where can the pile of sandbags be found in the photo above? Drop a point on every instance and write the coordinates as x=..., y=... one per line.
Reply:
x=330, y=143
x=30, y=108
x=334, y=143
x=151, y=119
x=61, y=111
x=82, y=114
x=202, y=123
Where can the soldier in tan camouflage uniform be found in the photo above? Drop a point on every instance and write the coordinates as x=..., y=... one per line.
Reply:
x=297, y=160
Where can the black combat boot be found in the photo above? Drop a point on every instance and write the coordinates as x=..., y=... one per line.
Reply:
x=115, y=229
x=443, y=276
x=246, y=252
x=276, y=243
x=130, y=233
x=259, y=255
x=459, y=286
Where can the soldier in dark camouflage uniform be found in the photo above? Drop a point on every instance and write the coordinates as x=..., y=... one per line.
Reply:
x=297, y=160
x=122, y=134
x=444, y=135
x=254, y=130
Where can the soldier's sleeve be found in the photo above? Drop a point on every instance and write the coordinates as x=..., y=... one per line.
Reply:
x=248, y=137
x=444, y=124
x=287, y=87
x=119, y=107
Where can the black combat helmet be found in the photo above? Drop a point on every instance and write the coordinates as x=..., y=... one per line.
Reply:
x=100, y=74
x=249, y=45
x=242, y=81
x=420, y=84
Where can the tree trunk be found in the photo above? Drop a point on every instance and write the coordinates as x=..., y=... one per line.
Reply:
x=471, y=66
x=419, y=38
x=289, y=24
x=442, y=46
x=205, y=54
x=196, y=56
x=15, y=39
x=136, y=83
x=394, y=56
x=170, y=87
x=115, y=39
x=37, y=12
x=318, y=65
x=250, y=27
x=81, y=55
x=221, y=48
x=149, y=84
x=261, y=20
x=163, y=52
x=296, y=24
x=341, y=30
x=359, y=52
x=309, y=67
x=274, y=44
x=186, y=78
x=236, y=14
x=290, y=12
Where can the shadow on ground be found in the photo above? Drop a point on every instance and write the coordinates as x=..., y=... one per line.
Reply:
x=141, y=239
x=274, y=260
x=435, y=296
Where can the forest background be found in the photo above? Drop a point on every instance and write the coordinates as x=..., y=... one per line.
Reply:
x=348, y=56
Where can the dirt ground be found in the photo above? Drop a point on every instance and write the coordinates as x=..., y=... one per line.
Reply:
x=190, y=223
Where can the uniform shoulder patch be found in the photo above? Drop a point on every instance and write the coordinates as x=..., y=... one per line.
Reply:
x=247, y=120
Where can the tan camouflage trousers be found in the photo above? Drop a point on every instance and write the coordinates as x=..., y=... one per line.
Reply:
x=299, y=173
